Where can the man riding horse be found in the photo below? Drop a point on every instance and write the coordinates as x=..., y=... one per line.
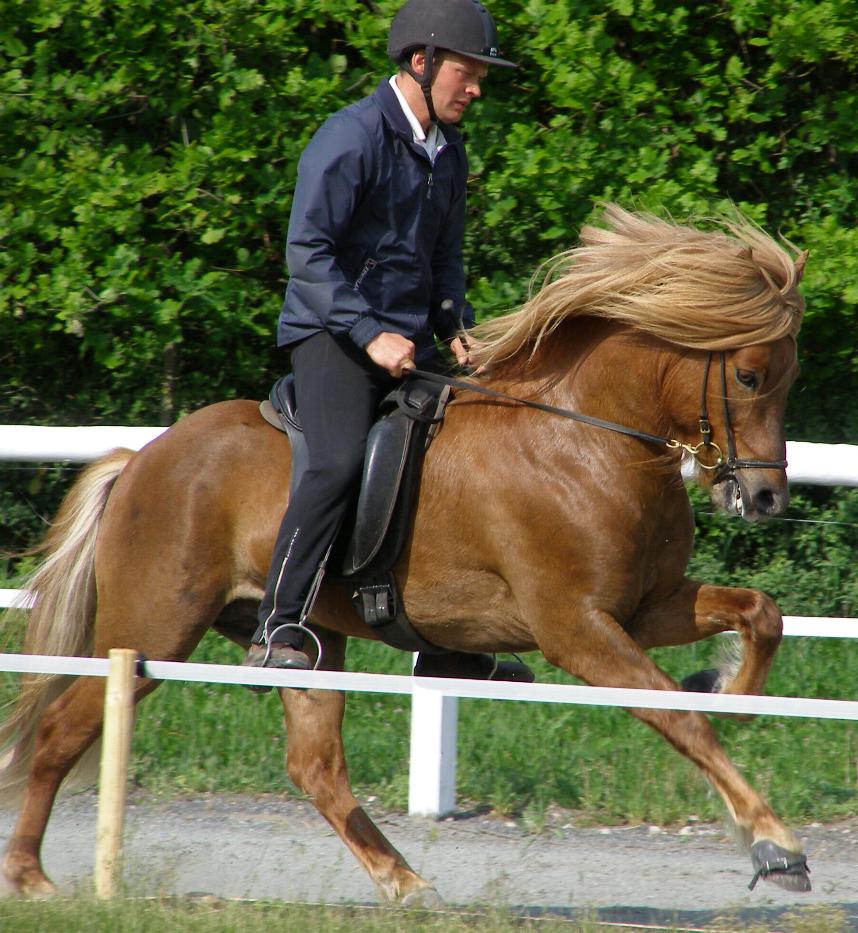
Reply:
x=374, y=251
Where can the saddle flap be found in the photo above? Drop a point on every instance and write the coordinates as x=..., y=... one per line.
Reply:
x=391, y=477
x=389, y=447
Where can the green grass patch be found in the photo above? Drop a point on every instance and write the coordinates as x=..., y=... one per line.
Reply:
x=134, y=916
x=83, y=914
x=519, y=758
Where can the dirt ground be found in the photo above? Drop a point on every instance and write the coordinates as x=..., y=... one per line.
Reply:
x=270, y=848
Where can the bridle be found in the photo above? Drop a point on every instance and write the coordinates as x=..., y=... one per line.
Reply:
x=725, y=468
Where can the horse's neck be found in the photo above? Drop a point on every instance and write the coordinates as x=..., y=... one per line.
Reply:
x=600, y=369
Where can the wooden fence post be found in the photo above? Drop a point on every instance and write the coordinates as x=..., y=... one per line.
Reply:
x=115, y=754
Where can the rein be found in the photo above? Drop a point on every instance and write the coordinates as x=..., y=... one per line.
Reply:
x=725, y=468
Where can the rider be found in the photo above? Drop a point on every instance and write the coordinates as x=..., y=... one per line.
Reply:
x=374, y=250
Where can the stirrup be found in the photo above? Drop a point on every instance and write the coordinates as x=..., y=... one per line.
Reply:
x=269, y=639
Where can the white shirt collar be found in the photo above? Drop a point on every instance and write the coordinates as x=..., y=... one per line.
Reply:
x=431, y=140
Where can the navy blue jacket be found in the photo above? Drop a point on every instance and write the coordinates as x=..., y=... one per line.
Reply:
x=375, y=233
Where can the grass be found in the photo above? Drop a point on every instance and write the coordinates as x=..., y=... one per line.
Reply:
x=133, y=916
x=519, y=758
x=82, y=914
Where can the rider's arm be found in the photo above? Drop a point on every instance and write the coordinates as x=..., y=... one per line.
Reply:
x=333, y=174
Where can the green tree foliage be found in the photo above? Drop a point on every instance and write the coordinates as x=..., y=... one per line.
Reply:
x=148, y=152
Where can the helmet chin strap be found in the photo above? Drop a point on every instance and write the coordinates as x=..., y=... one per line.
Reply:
x=425, y=80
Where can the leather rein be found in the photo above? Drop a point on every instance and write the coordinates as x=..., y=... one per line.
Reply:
x=725, y=467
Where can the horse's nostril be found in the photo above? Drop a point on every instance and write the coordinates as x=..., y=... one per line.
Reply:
x=766, y=502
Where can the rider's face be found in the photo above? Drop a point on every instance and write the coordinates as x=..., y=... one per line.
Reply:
x=455, y=84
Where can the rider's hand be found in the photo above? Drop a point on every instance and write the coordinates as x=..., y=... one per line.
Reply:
x=461, y=352
x=392, y=352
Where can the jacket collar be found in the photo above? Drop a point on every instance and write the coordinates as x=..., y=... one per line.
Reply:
x=392, y=111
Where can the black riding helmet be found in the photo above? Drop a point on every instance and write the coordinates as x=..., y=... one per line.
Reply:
x=462, y=26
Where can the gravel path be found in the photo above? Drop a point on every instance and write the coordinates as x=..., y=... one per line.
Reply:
x=264, y=847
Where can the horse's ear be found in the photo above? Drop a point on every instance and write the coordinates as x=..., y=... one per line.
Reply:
x=800, y=261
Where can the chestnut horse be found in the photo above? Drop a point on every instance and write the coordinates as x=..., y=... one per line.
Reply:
x=531, y=532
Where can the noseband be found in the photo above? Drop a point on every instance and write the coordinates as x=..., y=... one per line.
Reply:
x=726, y=468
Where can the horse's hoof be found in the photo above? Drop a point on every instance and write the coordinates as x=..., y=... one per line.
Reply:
x=24, y=877
x=708, y=681
x=42, y=891
x=35, y=889
x=784, y=868
x=423, y=899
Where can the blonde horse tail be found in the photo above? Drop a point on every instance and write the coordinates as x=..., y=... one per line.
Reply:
x=61, y=620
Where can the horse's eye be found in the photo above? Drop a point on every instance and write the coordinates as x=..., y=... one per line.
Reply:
x=746, y=378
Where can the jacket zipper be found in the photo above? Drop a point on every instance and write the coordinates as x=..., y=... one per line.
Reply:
x=430, y=180
x=368, y=266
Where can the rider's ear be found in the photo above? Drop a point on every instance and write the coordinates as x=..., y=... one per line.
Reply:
x=418, y=61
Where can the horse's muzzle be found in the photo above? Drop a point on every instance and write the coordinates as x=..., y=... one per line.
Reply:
x=752, y=496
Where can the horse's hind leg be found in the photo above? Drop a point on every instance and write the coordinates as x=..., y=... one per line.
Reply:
x=67, y=729
x=73, y=722
x=316, y=763
x=697, y=611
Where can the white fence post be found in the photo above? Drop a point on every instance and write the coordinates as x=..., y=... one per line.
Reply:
x=434, y=731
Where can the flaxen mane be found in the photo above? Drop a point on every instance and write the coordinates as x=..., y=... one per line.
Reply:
x=713, y=290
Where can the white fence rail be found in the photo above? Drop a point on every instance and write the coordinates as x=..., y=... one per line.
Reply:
x=574, y=694
x=820, y=464
x=432, y=784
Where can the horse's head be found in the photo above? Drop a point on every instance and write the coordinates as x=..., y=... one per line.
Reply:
x=744, y=466
x=728, y=295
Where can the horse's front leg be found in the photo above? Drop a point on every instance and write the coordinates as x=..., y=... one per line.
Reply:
x=597, y=649
x=316, y=763
x=696, y=611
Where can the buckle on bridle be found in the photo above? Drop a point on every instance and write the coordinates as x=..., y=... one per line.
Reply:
x=694, y=450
